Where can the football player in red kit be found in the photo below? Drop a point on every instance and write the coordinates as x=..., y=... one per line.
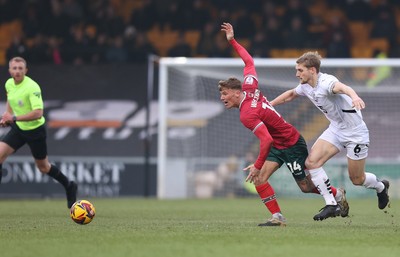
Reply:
x=280, y=142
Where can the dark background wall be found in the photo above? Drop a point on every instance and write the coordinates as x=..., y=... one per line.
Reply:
x=96, y=147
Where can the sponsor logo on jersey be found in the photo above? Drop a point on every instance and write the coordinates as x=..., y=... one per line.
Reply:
x=255, y=98
x=249, y=80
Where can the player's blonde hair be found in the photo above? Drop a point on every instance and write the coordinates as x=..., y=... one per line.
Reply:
x=310, y=59
x=17, y=59
x=231, y=83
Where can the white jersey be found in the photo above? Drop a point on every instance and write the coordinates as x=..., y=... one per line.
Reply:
x=336, y=107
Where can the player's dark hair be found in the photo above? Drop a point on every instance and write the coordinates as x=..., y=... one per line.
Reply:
x=310, y=59
x=231, y=83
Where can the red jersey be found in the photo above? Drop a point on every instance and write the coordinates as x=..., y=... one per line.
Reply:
x=256, y=110
x=256, y=113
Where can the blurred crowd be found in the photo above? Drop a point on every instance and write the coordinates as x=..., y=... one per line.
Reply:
x=95, y=31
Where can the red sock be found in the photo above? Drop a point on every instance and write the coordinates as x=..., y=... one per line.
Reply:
x=267, y=195
x=334, y=190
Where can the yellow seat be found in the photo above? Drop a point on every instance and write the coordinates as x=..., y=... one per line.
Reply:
x=124, y=8
x=192, y=38
x=381, y=44
x=359, y=33
x=361, y=52
x=291, y=53
x=3, y=60
x=8, y=31
x=5, y=40
x=294, y=52
x=162, y=40
x=275, y=53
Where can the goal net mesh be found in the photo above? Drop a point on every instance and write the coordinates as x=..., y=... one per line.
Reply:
x=207, y=147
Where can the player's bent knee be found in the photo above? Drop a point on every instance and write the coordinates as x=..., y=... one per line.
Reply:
x=313, y=164
x=357, y=181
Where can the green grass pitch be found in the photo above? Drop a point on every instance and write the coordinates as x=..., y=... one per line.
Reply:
x=216, y=227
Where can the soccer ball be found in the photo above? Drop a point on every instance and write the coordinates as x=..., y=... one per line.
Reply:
x=82, y=212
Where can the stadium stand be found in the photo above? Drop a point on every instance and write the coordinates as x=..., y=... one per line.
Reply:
x=163, y=33
x=7, y=32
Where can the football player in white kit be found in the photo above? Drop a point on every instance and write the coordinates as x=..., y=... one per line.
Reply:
x=342, y=107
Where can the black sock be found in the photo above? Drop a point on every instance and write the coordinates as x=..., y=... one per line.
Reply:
x=59, y=176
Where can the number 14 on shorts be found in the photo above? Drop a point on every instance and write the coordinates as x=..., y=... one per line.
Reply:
x=293, y=167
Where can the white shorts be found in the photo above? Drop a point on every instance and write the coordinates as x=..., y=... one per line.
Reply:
x=356, y=140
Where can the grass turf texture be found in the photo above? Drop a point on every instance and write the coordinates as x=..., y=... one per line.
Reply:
x=218, y=227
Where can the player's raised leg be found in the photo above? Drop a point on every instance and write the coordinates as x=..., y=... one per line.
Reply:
x=369, y=180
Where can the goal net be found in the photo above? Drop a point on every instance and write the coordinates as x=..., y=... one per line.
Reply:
x=203, y=148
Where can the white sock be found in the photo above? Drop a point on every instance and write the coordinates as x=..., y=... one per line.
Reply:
x=322, y=183
x=279, y=216
x=372, y=182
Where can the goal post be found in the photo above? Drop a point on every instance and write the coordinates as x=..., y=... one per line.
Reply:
x=202, y=148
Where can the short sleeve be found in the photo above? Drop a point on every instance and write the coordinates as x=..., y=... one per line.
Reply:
x=299, y=90
x=35, y=97
x=328, y=83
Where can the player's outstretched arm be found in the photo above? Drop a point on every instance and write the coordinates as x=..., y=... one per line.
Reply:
x=240, y=50
x=284, y=97
x=341, y=88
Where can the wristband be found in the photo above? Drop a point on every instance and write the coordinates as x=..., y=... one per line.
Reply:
x=14, y=118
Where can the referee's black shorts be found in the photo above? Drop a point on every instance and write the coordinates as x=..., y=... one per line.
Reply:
x=35, y=138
